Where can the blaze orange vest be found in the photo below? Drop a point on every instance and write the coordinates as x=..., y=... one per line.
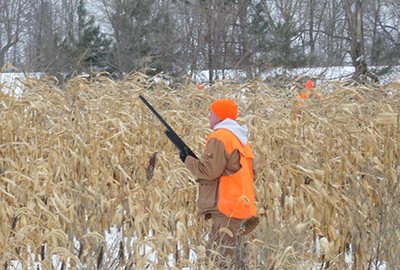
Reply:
x=240, y=184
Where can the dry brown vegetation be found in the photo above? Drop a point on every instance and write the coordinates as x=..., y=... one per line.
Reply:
x=73, y=165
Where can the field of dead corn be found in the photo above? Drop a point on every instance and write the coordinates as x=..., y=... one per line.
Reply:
x=74, y=167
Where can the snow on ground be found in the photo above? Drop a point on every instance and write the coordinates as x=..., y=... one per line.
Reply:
x=319, y=75
x=12, y=83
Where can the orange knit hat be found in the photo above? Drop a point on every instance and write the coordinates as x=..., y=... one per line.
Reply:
x=309, y=84
x=225, y=108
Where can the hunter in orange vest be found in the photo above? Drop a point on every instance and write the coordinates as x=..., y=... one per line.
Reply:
x=309, y=86
x=225, y=175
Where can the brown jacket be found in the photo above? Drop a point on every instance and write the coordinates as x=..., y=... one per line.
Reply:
x=215, y=162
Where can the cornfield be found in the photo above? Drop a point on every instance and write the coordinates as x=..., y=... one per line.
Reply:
x=89, y=180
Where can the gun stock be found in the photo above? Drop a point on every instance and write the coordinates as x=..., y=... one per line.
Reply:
x=171, y=134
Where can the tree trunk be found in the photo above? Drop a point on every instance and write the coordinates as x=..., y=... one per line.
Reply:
x=4, y=50
x=246, y=63
x=311, y=31
x=356, y=33
x=210, y=53
x=209, y=40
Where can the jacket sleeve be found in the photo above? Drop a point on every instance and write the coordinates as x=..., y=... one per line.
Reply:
x=213, y=162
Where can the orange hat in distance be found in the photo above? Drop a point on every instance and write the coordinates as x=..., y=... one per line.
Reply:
x=309, y=84
x=225, y=108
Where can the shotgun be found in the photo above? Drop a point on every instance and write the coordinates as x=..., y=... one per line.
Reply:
x=171, y=134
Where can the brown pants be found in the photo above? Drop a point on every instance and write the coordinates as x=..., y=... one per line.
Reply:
x=220, y=241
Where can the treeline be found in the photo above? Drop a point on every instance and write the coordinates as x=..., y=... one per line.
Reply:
x=179, y=37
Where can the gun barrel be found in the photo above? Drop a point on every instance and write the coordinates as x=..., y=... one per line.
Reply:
x=174, y=138
x=155, y=112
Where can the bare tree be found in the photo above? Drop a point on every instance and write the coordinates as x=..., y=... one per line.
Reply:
x=220, y=37
x=207, y=6
x=191, y=35
x=284, y=47
x=314, y=17
x=383, y=26
x=333, y=39
x=354, y=11
x=179, y=37
x=40, y=35
x=50, y=22
x=243, y=8
x=12, y=22
x=132, y=25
